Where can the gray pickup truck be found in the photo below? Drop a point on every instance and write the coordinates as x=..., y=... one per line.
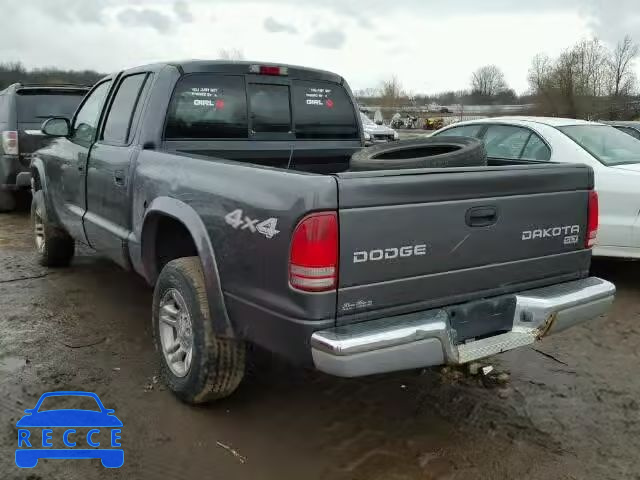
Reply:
x=227, y=186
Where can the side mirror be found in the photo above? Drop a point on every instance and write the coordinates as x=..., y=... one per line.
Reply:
x=29, y=410
x=56, y=127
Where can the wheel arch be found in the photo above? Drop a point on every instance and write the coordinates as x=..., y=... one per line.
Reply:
x=167, y=208
x=38, y=183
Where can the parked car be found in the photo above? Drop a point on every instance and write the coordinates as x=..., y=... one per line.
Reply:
x=374, y=133
x=23, y=108
x=252, y=232
x=631, y=128
x=613, y=155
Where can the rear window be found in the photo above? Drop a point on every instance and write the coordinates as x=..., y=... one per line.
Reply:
x=36, y=107
x=270, y=109
x=208, y=106
x=323, y=110
x=607, y=144
x=213, y=106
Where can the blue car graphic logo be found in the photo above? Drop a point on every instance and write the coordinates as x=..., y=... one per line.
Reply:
x=61, y=426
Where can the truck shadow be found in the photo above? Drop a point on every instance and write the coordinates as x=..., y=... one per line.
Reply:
x=622, y=272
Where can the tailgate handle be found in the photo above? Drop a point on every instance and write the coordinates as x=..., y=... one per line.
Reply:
x=482, y=216
x=118, y=177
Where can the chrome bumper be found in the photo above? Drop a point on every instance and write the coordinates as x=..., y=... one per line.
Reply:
x=425, y=338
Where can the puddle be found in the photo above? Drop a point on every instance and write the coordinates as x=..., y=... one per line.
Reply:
x=11, y=364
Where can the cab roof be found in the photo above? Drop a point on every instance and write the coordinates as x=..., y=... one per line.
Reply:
x=242, y=68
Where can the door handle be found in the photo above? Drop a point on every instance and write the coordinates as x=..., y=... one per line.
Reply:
x=82, y=160
x=118, y=177
x=482, y=216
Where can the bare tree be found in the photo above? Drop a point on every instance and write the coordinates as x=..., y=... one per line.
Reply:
x=621, y=65
x=230, y=54
x=566, y=79
x=390, y=91
x=589, y=60
x=488, y=81
x=540, y=73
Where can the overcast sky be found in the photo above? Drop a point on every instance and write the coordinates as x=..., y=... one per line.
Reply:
x=431, y=46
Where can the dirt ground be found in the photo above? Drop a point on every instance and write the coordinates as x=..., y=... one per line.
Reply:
x=571, y=410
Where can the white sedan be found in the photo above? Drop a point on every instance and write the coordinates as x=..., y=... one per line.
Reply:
x=613, y=155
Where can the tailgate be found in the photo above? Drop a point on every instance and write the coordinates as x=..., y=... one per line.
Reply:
x=414, y=239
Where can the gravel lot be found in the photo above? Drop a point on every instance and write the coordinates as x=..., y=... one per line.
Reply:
x=571, y=409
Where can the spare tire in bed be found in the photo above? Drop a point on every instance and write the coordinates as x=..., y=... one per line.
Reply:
x=430, y=152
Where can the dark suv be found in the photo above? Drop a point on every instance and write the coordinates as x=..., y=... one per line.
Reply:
x=23, y=108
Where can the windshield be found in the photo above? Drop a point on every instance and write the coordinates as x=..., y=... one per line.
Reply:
x=35, y=108
x=607, y=144
x=63, y=402
x=366, y=120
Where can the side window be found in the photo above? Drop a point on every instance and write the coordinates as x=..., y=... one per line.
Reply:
x=505, y=141
x=270, y=108
x=4, y=113
x=464, y=131
x=208, y=106
x=536, y=149
x=86, y=121
x=118, y=124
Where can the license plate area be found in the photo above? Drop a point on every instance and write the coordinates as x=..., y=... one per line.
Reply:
x=481, y=318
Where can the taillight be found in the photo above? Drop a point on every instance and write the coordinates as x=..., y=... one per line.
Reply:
x=269, y=70
x=313, y=260
x=592, y=219
x=10, y=142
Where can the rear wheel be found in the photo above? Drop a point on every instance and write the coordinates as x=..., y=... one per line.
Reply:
x=197, y=365
x=54, y=246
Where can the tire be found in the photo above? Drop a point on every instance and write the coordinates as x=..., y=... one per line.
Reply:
x=54, y=246
x=217, y=365
x=7, y=201
x=433, y=152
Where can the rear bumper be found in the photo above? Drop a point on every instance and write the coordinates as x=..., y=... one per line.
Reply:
x=13, y=173
x=369, y=143
x=426, y=338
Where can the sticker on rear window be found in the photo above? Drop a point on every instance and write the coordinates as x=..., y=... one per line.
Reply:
x=207, y=97
x=319, y=97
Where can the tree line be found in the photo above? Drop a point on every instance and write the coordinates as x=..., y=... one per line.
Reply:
x=588, y=80
x=14, y=72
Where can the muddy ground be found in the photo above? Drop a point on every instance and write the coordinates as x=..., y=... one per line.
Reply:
x=570, y=411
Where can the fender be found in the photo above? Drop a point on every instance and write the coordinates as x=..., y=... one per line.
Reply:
x=37, y=166
x=180, y=211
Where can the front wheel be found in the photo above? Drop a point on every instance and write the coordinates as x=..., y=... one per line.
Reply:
x=54, y=246
x=196, y=365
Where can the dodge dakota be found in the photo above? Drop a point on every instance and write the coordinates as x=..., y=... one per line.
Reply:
x=228, y=187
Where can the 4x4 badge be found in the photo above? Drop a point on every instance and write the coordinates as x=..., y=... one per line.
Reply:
x=239, y=221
